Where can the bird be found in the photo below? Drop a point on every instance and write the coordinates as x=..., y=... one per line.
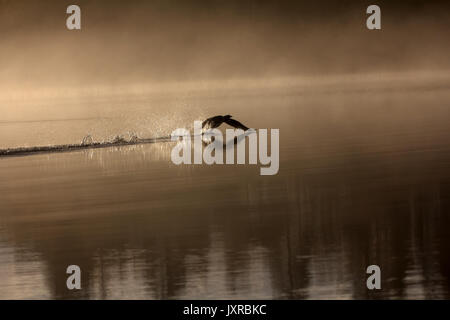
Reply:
x=216, y=121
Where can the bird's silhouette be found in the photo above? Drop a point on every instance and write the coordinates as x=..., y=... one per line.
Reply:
x=216, y=121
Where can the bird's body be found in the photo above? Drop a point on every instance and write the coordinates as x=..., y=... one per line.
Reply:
x=216, y=121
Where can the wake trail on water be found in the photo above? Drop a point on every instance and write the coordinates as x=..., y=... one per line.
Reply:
x=87, y=143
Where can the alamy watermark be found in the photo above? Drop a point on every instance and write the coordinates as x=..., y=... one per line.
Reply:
x=215, y=147
x=74, y=280
x=373, y=22
x=374, y=280
x=73, y=22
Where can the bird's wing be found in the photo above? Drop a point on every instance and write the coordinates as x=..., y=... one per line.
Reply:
x=236, y=124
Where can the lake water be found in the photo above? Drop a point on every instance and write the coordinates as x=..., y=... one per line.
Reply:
x=364, y=179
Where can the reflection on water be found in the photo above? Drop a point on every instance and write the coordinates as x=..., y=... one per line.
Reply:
x=363, y=180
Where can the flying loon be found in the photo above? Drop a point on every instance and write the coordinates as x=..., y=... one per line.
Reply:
x=216, y=121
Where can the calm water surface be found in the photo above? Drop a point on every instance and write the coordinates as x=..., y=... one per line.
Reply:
x=364, y=179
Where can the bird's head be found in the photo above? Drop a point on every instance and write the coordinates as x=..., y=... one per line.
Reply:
x=227, y=117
